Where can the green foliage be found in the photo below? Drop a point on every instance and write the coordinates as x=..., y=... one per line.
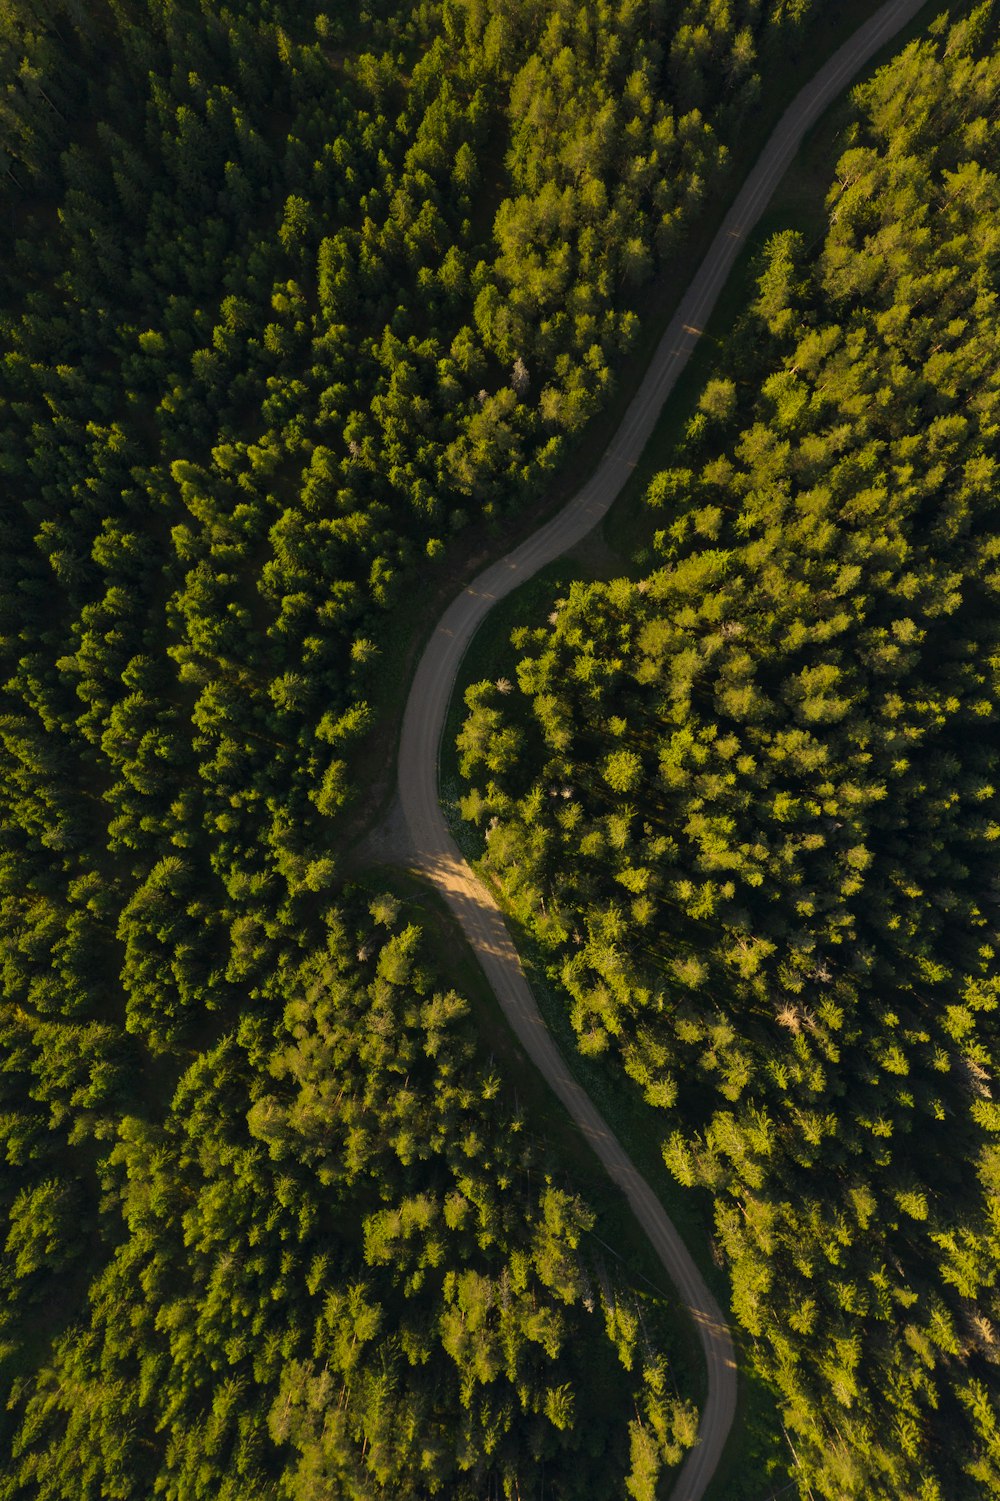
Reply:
x=755, y=810
x=335, y=1266
x=287, y=297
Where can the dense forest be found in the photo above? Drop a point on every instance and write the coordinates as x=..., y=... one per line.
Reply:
x=334, y=1266
x=272, y=322
x=287, y=298
x=749, y=802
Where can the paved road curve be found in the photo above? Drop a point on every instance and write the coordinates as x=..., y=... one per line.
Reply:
x=435, y=852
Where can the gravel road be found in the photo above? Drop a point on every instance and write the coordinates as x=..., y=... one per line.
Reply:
x=431, y=847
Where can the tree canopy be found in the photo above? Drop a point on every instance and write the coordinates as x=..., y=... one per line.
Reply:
x=750, y=800
x=288, y=296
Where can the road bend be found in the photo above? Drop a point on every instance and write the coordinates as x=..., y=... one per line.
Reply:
x=432, y=848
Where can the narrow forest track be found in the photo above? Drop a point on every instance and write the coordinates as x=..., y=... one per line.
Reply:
x=426, y=842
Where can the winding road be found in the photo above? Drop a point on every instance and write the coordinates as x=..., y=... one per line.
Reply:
x=431, y=847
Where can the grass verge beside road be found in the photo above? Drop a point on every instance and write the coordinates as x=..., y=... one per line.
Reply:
x=756, y=1445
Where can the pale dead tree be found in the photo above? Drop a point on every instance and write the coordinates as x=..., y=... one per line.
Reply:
x=519, y=378
x=977, y=1080
x=504, y=685
x=983, y=1336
